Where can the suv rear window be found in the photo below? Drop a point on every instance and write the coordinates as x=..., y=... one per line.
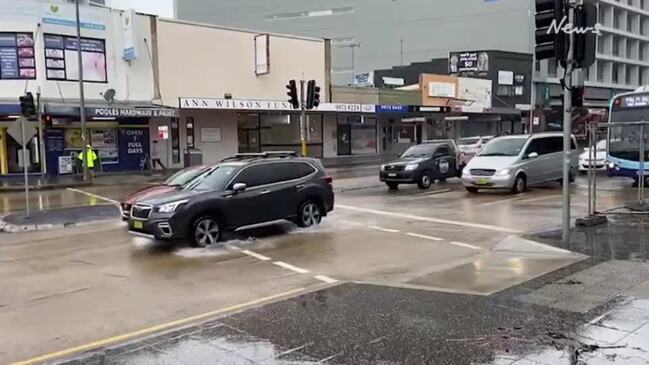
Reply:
x=256, y=175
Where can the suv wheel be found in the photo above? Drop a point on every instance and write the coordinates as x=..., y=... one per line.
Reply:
x=520, y=184
x=392, y=185
x=309, y=214
x=205, y=232
x=425, y=181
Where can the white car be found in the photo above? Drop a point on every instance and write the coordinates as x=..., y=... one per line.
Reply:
x=470, y=146
x=600, y=158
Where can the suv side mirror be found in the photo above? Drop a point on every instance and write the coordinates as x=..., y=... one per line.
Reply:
x=239, y=187
x=532, y=155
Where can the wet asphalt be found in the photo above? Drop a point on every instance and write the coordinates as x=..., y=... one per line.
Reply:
x=437, y=276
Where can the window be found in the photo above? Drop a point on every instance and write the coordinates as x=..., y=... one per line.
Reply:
x=61, y=60
x=552, y=67
x=213, y=180
x=286, y=171
x=616, y=74
x=616, y=47
x=257, y=175
x=17, y=56
x=189, y=124
x=504, y=90
x=537, y=146
x=442, y=152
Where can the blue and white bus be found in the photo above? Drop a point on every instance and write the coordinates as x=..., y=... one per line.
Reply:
x=623, y=146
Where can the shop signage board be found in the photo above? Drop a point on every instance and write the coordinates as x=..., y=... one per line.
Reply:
x=390, y=108
x=234, y=104
x=129, y=51
x=65, y=15
x=112, y=112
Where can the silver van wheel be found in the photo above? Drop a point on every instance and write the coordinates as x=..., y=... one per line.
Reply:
x=520, y=185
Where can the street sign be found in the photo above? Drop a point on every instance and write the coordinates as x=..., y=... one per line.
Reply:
x=15, y=131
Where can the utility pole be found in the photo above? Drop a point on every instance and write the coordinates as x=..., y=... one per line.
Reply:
x=567, y=130
x=41, y=135
x=302, y=118
x=82, y=100
x=23, y=141
x=401, y=52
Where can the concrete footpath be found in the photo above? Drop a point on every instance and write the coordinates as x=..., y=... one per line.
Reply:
x=41, y=220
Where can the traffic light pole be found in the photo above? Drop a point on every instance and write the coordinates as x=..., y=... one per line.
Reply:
x=25, y=162
x=302, y=118
x=567, y=132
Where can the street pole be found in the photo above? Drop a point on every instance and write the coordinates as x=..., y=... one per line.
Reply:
x=25, y=161
x=401, y=52
x=532, y=94
x=567, y=131
x=302, y=118
x=41, y=140
x=641, y=176
x=82, y=101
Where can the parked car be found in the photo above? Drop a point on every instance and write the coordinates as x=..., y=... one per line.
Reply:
x=422, y=165
x=516, y=162
x=468, y=147
x=176, y=180
x=238, y=193
x=600, y=157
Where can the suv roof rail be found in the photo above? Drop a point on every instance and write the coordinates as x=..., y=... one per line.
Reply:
x=256, y=155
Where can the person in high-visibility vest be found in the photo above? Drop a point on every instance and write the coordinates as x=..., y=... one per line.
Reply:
x=92, y=156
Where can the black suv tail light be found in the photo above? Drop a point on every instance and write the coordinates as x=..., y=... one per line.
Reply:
x=328, y=179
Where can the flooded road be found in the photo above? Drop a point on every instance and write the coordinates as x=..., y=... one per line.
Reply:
x=408, y=277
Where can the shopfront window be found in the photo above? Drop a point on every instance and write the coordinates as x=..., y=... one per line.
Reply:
x=406, y=134
x=356, y=135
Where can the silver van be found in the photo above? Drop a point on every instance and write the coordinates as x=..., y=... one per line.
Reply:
x=515, y=162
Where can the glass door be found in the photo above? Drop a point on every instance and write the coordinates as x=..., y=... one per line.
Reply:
x=344, y=139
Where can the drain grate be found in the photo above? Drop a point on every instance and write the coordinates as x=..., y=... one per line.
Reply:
x=588, y=289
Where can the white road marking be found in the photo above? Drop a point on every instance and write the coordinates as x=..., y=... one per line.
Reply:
x=384, y=229
x=428, y=219
x=465, y=245
x=298, y=270
x=518, y=197
x=424, y=236
x=326, y=279
x=115, y=202
x=256, y=255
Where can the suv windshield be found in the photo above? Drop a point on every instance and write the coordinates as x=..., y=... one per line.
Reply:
x=184, y=176
x=504, y=147
x=213, y=180
x=419, y=151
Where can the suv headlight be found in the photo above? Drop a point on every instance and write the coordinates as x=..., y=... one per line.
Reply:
x=412, y=166
x=171, y=207
x=503, y=172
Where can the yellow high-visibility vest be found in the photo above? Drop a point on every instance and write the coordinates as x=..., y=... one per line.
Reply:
x=91, y=157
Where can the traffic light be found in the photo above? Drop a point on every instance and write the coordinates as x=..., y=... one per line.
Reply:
x=585, y=42
x=47, y=120
x=577, y=94
x=292, y=94
x=27, y=106
x=551, y=42
x=312, y=95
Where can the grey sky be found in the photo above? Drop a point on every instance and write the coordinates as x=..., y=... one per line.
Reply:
x=163, y=8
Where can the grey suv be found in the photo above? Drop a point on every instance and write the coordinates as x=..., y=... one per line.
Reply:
x=245, y=190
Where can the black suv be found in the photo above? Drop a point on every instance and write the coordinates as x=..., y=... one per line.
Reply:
x=241, y=191
x=422, y=165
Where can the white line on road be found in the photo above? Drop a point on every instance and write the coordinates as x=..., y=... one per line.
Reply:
x=428, y=219
x=465, y=245
x=499, y=201
x=95, y=196
x=326, y=279
x=424, y=236
x=298, y=270
x=384, y=229
x=256, y=255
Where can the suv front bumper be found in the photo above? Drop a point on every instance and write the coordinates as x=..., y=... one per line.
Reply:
x=161, y=226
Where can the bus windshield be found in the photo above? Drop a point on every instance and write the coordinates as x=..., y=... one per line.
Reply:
x=624, y=141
